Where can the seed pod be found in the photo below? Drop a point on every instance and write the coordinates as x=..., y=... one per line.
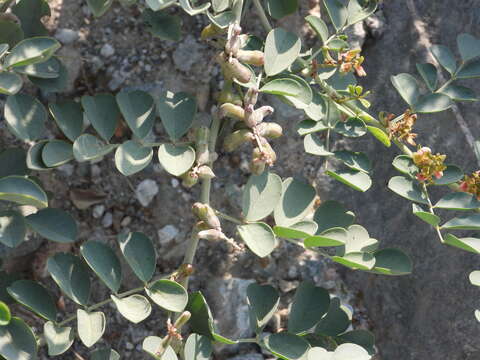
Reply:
x=231, y=110
x=237, y=138
x=233, y=43
x=204, y=172
x=228, y=96
x=189, y=179
x=269, y=155
x=206, y=214
x=252, y=57
x=238, y=70
x=182, y=320
x=251, y=97
x=255, y=117
x=270, y=130
x=210, y=31
x=212, y=235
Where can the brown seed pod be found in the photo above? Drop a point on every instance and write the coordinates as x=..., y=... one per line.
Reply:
x=270, y=130
x=231, y=110
x=251, y=97
x=251, y=57
x=255, y=117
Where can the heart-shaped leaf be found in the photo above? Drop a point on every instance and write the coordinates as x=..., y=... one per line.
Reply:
x=23, y=191
x=30, y=13
x=392, y=262
x=263, y=302
x=299, y=230
x=103, y=261
x=458, y=201
x=32, y=51
x=177, y=111
x=176, y=159
x=151, y=344
x=169, y=295
x=332, y=214
x=10, y=83
x=35, y=297
x=337, y=12
x=357, y=180
x=281, y=8
x=408, y=189
x=451, y=175
x=281, y=49
x=59, y=339
x=134, y=308
x=432, y=103
x=259, y=238
x=315, y=146
x=363, y=338
x=351, y=351
x=470, y=70
x=308, y=126
x=358, y=240
x=102, y=112
x=25, y=116
x=17, y=341
x=287, y=346
x=405, y=165
x=91, y=326
x=56, y=84
x=69, y=118
x=138, y=109
x=12, y=228
x=54, y=224
x=261, y=195
x=356, y=260
x=140, y=254
x=463, y=222
x=71, y=276
x=336, y=321
x=88, y=147
x=358, y=12
x=197, y=347
x=56, y=153
x=459, y=93
x=332, y=237
x=131, y=157
x=296, y=202
x=353, y=127
x=468, y=46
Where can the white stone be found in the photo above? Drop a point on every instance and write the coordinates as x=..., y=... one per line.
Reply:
x=66, y=36
x=167, y=234
x=107, y=50
x=107, y=220
x=146, y=191
x=98, y=211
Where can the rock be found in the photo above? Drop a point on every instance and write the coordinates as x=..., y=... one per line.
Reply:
x=66, y=36
x=107, y=220
x=98, y=211
x=187, y=54
x=72, y=59
x=146, y=191
x=167, y=234
x=107, y=50
x=251, y=356
x=117, y=80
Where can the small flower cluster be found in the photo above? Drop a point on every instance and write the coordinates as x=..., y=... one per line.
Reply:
x=348, y=61
x=402, y=128
x=430, y=166
x=471, y=184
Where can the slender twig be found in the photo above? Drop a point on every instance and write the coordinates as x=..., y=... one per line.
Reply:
x=263, y=17
x=229, y=218
x=430, y=209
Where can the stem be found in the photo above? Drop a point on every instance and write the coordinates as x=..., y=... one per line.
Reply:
x=229, y=218
x=263, y=17
x=302, y=245
x=327, y=147
x=430, y=209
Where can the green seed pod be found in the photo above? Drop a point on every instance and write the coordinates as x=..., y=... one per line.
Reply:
x=207, y=214
x=189, y=179
x=270, y=130
x=251, y=97
x=251, y=57
x=182, y=320
x=237, y=138
x=205, y=172
x=231, y=110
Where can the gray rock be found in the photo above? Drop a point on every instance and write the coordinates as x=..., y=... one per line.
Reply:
x=107, y=50
x=251, y=356
x=146, y=191
x=98, y=211
x=167, y=234
x=72, y=59
x=66, y=36
x=107, y=220
x=187, y=54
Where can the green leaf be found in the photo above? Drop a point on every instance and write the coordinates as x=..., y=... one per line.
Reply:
x=151, y=344
x=315, y=146
x=31, y=51
x=134, y=308
x=319, y=26
x=17, y=341
x=287, y=346
x=12, y=228
x=405, y=165
x=380, y=135
x=59, y=339
x=357, y=180
x=308, y=126
x=169, y=295
x=432, y=103
x=102, y=112
x=392, y=262
x=140, y=254
x=282, y=48
x=99, y=7
x=88, y=147
x=309, y=305
x=187, y=7
x=354, y=160
x=459, y=93
x=340, y=81
x=281, y=8
x=444, y=57
x=5, y=315
x=54, y=84
x=46, y=70
x=458, y=201
x=163, y=25
x=407, y=87
x=68, y=116
x=468, y=46
x=220, y=5
x=351, y=351
x=56, y=153
x=356, y=260
x=358, y=240
x=91, y=326
x=363, y=338
x=30, y=13
x=357, y=12
x=408, y=189
x=474, y=278
x=263, y=301
x=336, y=321
x=54, y=224
x=10, y=32
x=156, y=5
x=337, y=12
x=468, y=244
x=260, y=196
x=3, y=49
x=197, y=347
x=332, y=214
x=10, y=83
x=428, y=72
x=463, y=222
x=138, y=109
x=71, y=276
x=13, y=162
x=282, y=86
x=319, y=353
x=300, y=230
x=105, y=354
x=469, y=71
x=103, y=261
x=23, y=191
x=177, y=111
x=222, y=20
x=451, y=175
x=25, y=116
x=316, y=110
x=131, y=157
x=426, y=216
x=201, y=321
x=176, y=159
x=35, y=297
x=259, y=238
x=296, y=202
x=336, y=236
x=353, y=127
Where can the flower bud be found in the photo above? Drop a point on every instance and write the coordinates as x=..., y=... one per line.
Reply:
x=230, y=110
x=270, y=130
x=255, y=117
x=182, y=320
x=233, y=43
x=206, y=214
x=212, y=235
x=204, y=172
x=251, y=97
x=189, y=179
x=237, y=138
x=251, y=57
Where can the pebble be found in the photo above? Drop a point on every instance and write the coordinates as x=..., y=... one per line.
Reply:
x=117, y=80
x=98, y=211
x=167, y=234
x=146, y=191
x=107, y=220
x=129, y=346
x=126, y=221
x=174, y=182
x=107, y=50
x=66, y=36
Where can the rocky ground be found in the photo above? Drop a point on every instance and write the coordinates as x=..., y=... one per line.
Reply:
x=426, y=315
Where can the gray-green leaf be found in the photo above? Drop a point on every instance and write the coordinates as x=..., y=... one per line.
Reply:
x=281, y=49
